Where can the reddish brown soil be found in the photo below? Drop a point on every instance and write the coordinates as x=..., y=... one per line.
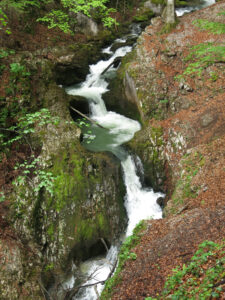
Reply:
x=166, y=244
x=172, y=241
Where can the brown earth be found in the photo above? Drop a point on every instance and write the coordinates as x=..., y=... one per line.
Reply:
x=166, y=244
x=195, y=163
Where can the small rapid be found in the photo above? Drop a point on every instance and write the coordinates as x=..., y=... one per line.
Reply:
x=183, y=10
x=140, y=202
x=115, y=130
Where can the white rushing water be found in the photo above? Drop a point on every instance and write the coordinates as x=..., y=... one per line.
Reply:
x=183, y=10
x=140, y=202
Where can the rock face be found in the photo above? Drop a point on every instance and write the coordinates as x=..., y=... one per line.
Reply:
x=86, y=25
x=175, y=117
x=72, y=66
x=58, y=215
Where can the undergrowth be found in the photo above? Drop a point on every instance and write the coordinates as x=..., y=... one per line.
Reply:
x=205, y=54
x=213, y=27
x=202, y=278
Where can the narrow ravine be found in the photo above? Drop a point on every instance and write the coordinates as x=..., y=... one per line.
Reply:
x=140, y=202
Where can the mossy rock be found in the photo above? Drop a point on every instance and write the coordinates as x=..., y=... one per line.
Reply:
x=148, y=145
x=144, y=16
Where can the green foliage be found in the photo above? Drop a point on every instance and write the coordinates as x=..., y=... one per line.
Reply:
x=96, y=9
x=213, y=27
x=29, y=168
x=2, y=197
x=25, y=126
x=4, y=22
x=204, y=54
x=5, y=53
x=22, y=5
x=88, y=135
x=185, y=282
x=164, y=101
x=17, y=70
x=124, y=255
x=57, y=19
x=222, y=13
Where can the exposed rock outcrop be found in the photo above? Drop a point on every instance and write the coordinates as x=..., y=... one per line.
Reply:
x=58, y=214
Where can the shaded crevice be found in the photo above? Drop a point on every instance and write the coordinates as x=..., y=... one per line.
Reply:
x=81, y=104
x=83, y=251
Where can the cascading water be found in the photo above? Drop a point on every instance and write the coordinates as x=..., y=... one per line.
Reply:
x=183, y=10
x=140, y=202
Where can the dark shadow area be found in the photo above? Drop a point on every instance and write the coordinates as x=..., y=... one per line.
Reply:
x=80, y=104
x=83, y=251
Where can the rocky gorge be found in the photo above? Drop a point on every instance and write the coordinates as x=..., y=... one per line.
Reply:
x=181, y=144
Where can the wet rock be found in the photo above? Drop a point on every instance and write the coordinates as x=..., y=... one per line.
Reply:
x=79, y=103
x=72, y=65
x=160, y=202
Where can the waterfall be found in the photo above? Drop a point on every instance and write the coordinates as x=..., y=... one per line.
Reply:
x=140, y=202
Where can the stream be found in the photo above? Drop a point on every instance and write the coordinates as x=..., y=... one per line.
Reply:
x=140, y=202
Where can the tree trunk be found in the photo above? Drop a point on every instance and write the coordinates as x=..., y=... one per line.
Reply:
x=169, y=12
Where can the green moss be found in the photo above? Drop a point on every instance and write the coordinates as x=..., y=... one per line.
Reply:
x=156, y=134
x=125, y=63
x=92, y=228
x=70, y=181
x=180, y=3
x=159, y=2
x=50, y=231
x=167, y=28
x=144, y=16
x=184, y=189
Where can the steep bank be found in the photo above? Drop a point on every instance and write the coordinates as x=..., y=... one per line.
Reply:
x=55, y=195
x=177, y=82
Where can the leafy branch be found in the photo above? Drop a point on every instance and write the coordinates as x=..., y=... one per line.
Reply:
x=96, y=9
x=26, y=124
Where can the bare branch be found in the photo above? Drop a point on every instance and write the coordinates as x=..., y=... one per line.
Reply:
x=70, y=293
x=43, y=289
x=86, y=117
x=104, y=243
